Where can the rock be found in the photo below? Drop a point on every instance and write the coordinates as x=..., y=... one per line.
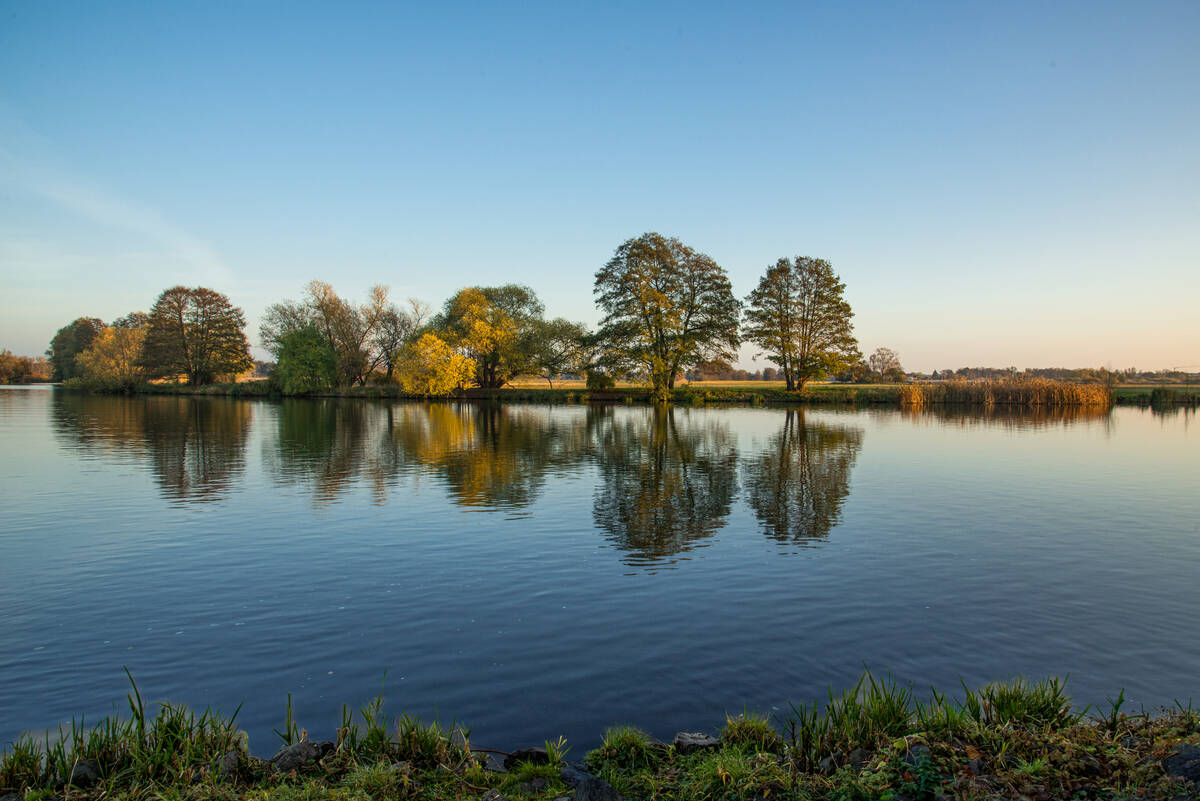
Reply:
x=84, y=773
x=491, y=763
x=297, y=755
x=976, y=767
x=1184, y=762
x=917, y=754
x=688, y=741
x=227, y=766
x=858, y=758
x=828, y=765
x=10, y=797
x=402, y=766
x=588, y=787
x=534, y=786
x=493, y=795
x=535, y=756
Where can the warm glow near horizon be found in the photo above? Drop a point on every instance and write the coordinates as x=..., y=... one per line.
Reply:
x=1015, y=184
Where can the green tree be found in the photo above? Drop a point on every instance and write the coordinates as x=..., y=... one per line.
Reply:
x=560, y=347
x=195, y=332
x=70, y=341
x=666, y=309
x=305, y=362
x=798, y=314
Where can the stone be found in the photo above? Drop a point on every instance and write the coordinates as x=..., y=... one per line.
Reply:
x=535, y=756
x=687, y=742
x=84, y=773
x=977, y=767
x=534, y=786
x=491, y=763
x=917, y=754
x=588, y=787
x=828, y=766
x=297, y=755
x=1184, y=762
x=858, y=758
x=493, y=795
x=227, y=766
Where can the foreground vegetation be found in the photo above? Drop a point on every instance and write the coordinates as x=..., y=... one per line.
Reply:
x=876, y=740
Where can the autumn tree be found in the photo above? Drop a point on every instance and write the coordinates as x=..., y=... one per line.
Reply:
x=884, y=364
x=68, y=342
x=666, y=308
x=496, y=327
x=431, y=367
x=397, y=328
x=798, y=314
x=195, y=332
x=21, y=369
x=113, y=361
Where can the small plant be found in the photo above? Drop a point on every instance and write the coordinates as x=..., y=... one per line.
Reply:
x=556, y=751
x=733, y=774
x=625, y=750
x=753, y=732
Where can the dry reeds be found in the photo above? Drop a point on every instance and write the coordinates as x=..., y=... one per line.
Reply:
x=1026, y=392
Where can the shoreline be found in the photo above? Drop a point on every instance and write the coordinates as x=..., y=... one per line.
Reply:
x=847, y=395
x=876, y=740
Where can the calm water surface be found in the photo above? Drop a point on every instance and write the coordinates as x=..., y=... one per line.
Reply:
x=537, y=570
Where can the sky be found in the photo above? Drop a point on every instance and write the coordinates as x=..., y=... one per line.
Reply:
x=996, y=183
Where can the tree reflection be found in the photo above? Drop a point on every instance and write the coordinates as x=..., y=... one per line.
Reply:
x=490, y=455
x=195, y=447
x=664, y=487
x=332, y=444
x=797, y=484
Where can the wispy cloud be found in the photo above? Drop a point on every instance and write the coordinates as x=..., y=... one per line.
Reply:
x=28, y=164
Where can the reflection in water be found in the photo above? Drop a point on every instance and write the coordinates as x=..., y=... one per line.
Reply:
x=489, y=455
x=195, y=446
x=1010, y=417
x=664, y=487
x=332, y=444
x=797, y=484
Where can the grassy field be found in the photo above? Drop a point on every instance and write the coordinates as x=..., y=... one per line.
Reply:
x=876, y=740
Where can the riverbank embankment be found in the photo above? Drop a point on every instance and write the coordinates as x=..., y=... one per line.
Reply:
x=876, y=740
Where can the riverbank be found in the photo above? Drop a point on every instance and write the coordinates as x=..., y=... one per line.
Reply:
x=877, y=740
x=885, y=395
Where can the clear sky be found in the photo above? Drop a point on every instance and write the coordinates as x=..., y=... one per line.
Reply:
x=996, y=183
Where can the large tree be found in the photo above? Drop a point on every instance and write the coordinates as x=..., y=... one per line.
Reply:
x=497, y=327
x=666, y=309
x=70, y=341
x=798, y=314
x=195, y=332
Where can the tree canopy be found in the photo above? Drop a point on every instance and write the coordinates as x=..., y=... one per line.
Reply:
x=798, y=314
x=497, y=327
x=666, y=308
x=68, y=342
x=195, y=332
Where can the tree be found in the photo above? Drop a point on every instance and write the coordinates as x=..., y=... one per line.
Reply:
x=19, y=369
x=666, y=309
x=363, y=338
x=799, y=315
x=195, y=332
x=433, y=368
x=305, y=361
x=560, y=347
x=70, y=341
x=113, y=361
x=496, y=327
x=885, y=365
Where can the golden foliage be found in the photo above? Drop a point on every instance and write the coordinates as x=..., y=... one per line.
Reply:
x=113, y=360
x=434, y=368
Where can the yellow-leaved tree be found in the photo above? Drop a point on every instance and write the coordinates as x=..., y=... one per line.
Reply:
x=433, y=368
x=113, y=360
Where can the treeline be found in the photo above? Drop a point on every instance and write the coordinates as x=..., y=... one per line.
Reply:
x=23, y=369
x=1081, y=375
x=666, y=309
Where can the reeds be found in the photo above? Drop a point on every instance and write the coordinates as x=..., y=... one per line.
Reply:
x=1022, y=392
x=875, y=711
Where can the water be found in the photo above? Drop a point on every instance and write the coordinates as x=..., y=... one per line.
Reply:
x=535, y=571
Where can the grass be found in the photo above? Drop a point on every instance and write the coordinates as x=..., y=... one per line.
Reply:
x=878, y=739
x=1022, y=392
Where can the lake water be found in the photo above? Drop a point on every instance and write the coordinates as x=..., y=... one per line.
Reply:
x=543, y=570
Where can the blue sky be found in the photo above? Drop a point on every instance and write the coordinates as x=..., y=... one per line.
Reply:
x=996, y=183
